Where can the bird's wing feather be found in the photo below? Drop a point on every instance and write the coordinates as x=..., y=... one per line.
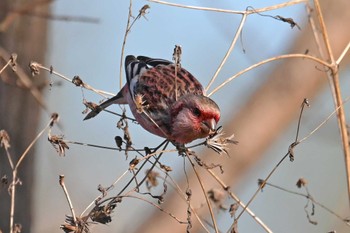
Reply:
x=134, y=68
x=154, y=61
x=157, y=86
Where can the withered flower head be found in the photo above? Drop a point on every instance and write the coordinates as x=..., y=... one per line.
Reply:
x=218, y=142
x=4, y=139
x=58, y=143
x=301, y=182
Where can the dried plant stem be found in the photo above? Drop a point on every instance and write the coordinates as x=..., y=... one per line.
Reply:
x=258, y=190
x=13, y=194
x=315, y=30
x=183, y=196
x=342, y=126
x=9, y=158
x=267, y=61
x=6, y=65
x=287, y=154
x=233, y=43
x=23, y=77
x=234, y=197
x=309, y=197
x=159, y=208
x=324, y=30
x=14, y=175
x=62, y=184
x=205, y=194
x=282, y=5
x=337, y=92
x=30, y=146
x=138, y=185
x=123, y=46
x=334, y=83
x=84, y=85
x=323, y=122
x=109, y=188
x=342, y=55
x=165, y=143
x=263, y=182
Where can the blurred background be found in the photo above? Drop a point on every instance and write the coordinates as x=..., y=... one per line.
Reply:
x=261, y=107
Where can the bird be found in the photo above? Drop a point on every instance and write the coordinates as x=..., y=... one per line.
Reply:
x=166, y=100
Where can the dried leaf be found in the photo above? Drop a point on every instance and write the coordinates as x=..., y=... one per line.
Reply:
x=58, y=143
x=77, y=81
x=301, y=183
x=4, y=139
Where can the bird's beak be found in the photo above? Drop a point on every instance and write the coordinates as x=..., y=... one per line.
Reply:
x=211, y=123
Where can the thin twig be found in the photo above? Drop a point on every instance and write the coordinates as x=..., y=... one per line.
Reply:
x=234, y=197
x=6, y=145
x=123, y=46
x=233, y=43
x=315, y=31
x=305, y=56
x=129, y=25
x=204, y=193
x=112, y=199
x=36, y=66
x=269, y=8
x=177, y=61
x=166, y=143
x=32, y=144
x=107, y=189
x=324, y=121
x=305, y=103
x=342, y=55
x=183, y=197
x=158, y=207
x=23, y=78
x=13, y=193
x=289, y=153
x=14, y=174
x=61, y=181
x=324, y=30
x=10, y=60
x=309, y=197
x=338, y=96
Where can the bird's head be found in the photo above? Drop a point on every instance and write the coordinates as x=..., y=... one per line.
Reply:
x=193, y=117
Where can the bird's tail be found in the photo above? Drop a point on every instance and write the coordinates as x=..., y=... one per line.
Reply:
x=114, y=100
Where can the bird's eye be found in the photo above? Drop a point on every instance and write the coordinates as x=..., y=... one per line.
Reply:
x=197, y=112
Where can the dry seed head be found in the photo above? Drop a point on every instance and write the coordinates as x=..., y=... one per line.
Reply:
x=34, y=68
x=4, y=139
x=140, y=103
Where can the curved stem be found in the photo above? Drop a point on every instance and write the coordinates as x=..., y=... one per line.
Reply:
x=267, y=61
x=205, y=194
x=233, y=43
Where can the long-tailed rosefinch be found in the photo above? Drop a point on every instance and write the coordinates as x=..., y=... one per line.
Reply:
x=166, y=100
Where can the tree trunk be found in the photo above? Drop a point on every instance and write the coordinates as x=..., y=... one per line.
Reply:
x=26, y=36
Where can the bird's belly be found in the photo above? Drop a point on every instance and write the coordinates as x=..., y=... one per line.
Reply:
x=154, y=126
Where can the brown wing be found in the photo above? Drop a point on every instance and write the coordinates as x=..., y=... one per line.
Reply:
x=158, y=84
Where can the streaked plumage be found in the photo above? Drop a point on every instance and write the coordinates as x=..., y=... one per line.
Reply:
x=180, y=116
